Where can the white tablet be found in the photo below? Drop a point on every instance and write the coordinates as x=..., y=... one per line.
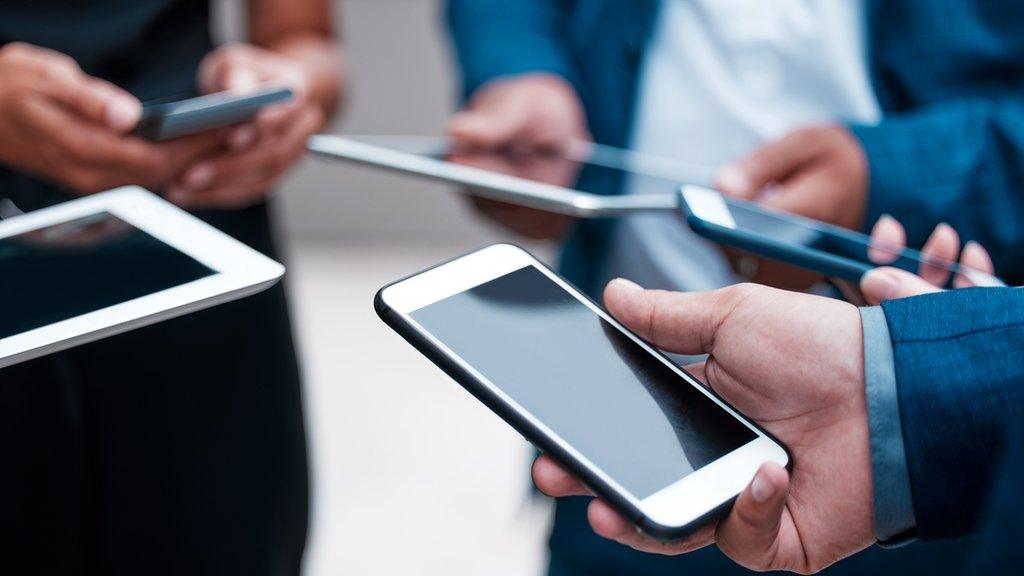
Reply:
x=545, y=181
x=111, y=262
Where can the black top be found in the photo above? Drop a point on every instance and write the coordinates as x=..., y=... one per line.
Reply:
x=151, y=48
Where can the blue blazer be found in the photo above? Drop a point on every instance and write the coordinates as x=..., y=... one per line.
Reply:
x=959, y=359
x=949, y=75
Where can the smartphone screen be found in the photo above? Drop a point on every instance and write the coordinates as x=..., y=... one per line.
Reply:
x=620, y=406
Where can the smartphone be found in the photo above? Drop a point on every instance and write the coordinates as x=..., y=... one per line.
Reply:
x=170, y=120
x=641, y=432
x=830, y=250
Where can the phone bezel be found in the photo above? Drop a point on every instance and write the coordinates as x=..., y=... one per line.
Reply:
x=671, y=512
x=709, y=214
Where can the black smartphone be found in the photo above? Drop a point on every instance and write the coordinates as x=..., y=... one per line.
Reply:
x=641, y=432
x=170, y=120
x=830, y=250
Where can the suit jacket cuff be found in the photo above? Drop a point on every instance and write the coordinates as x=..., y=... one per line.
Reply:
x=893, y=502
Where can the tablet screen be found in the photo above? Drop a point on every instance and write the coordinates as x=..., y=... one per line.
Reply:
x=65, y=270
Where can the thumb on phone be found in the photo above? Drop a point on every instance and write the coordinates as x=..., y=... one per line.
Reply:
x=490, y=127
x=95, y=100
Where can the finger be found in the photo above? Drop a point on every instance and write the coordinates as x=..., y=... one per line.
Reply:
x=801, y=194
x=97, y=101
x=553, y=480
x=228, y=67
x=773, y=162
x=608, y=523
x=271, y=153
x=888, y=239
x=750, y=533
x=979, y=267
x=683, y=323
x=939, y=254
x=883, y=284
x=248, y=176
x=487, y=128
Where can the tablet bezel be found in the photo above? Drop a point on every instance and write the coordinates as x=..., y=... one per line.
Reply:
x=502, y=187
x=238, y=271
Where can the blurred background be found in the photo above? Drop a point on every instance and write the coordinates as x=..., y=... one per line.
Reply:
x=410, y=474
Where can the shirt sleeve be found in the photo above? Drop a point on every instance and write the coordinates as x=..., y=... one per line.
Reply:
x=893, y=502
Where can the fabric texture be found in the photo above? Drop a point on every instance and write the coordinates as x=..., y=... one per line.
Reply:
x=960, y=381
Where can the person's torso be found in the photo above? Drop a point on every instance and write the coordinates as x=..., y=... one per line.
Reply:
x=919, y=54
x=720, y=78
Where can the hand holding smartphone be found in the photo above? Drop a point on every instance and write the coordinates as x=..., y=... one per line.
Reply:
x=642, y=433
x=170, y=120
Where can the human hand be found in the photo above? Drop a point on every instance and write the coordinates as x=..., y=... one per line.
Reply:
x=794, y=364
x=941, y=249
x=68, y=127
x=258, y=153
x=819, y=172
x=549, y=168
x=525, y=114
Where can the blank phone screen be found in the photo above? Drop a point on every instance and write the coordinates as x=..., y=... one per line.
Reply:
x=69, y=269
x=618, y=405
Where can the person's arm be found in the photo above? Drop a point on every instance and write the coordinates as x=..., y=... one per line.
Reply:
x=500, y=38
x=291, y=44
x=960, y=162
x=303, y=31
x=960, y=383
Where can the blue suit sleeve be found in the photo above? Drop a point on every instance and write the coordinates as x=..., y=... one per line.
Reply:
x=498, y=38
x=894, y=506
x=961, y=162
x=960, y=386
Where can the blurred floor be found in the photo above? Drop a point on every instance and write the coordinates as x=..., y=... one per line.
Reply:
x=411, y=475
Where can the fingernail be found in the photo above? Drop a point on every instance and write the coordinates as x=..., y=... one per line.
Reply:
x=242, y=137
x=762, y=489
x=122, y=114
x=887, y=219
x=733, y=179
x=880, y=284
x=199, y=176
x=627, y=284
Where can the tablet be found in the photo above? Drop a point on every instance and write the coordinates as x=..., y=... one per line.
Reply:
x=111, y=262
x=549, y=182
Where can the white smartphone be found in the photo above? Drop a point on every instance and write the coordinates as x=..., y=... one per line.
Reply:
x=641, y=432
x=111, y=262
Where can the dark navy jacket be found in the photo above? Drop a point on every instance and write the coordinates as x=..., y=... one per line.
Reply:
x=949, y=75
x=959, y=359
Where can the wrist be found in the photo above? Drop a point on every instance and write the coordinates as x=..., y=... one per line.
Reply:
x=321, y=64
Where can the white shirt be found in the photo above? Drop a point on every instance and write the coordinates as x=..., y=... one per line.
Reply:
x=721, y=77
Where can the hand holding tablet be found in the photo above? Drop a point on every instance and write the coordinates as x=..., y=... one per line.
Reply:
x=509, y=176
x=111, y=262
